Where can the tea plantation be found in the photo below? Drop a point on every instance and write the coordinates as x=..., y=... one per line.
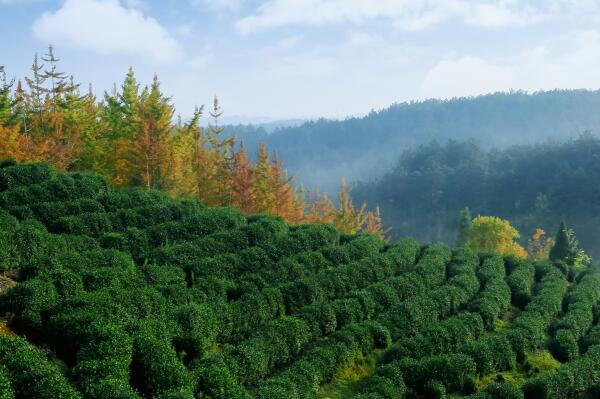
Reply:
x=131, y=294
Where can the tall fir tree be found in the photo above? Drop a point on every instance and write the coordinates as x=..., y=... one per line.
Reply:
x=562, y=249
x=465, y=222
x=58, y=80
x=6, y=102
x=150, y=146
x=35, y=100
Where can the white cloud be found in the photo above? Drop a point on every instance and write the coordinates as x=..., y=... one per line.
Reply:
x=537, y=69
x=227, y=5
x=201, y=61
x=106, y=27
x=406, y=14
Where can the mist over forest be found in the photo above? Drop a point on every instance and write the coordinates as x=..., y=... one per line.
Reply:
x=322, y=152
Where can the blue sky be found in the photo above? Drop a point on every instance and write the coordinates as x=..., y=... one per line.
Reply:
x=311, y=58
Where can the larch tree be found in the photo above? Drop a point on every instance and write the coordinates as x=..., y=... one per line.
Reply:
x=6, y=102
x=374, y=224
x=129, y=138
x=9, y=129
x=183, y=168
x=286, y=201
x=241, y=181
x=319, y=208
x=215, y=158
x=151, y=141
x=35, y=100
x=349, y=219
x=263, y=191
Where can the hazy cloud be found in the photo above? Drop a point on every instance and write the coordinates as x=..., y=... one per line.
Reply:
x=405, y=14
x=107, y=27
x=539, y=68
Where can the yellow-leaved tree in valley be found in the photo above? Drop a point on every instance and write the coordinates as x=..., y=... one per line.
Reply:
x=490, y=233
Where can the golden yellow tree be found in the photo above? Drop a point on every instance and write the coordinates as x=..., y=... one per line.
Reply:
x=183, y=172
x=242, y=181
x=348, y=219
x=374, y=224
x=262, y=189
x=10, y=143
x=151, y=149
x=286, y=201
x=490, y=233
x=319, y=208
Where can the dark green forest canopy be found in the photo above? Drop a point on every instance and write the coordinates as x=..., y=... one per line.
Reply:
x=321, y=152
x=131, y=294
x=530, y=185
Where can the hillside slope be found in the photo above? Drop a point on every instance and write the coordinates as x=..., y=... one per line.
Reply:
x=130, y=294
x=532, y=186
x=321, y=152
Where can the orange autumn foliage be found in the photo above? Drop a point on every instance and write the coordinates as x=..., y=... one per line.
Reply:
x=129, y=138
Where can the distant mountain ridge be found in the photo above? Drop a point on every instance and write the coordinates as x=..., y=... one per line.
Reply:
x=321, y=152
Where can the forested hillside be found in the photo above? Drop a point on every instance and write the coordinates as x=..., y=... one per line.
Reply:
x=321, y=152
x=131, y=137
x=127, y=293
x=530, y=185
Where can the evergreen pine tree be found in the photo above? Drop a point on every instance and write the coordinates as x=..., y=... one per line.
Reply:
x=58, y=80
x=562, y=245
x=464, y=226
x=151, y=151
x=6, y=103
x=35, y=106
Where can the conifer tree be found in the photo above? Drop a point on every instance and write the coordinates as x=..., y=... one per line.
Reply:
x=58, y=80
x=464, y=226
x=21, y=108
x=119, y=112
x=348, y=219
x=562, y=249
x=263, y=190
x=184, y=168
x=566, y=249
x=319, y=208
x=222, y=158
x=151, y=141
x=285, y=199
x=7, y=103
x=34, y=99
x=241, y=181
x=374, y=224
x=129, y=138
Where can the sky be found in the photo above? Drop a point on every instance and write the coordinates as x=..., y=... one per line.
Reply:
x=282, y=59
